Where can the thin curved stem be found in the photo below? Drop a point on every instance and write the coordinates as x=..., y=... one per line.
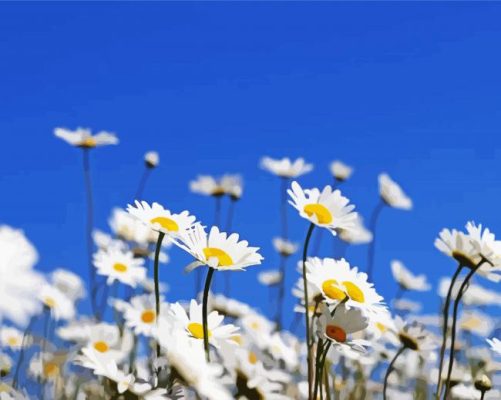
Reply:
x=318, y=357
x=161, y=236
x=281, y=293
x=445, y=325
x=307, y=317
x=320, y=367
x=142, y=184
x=390, y=369
x=208, y=280
x=372, y=246
x=22, y=351
x=483, y=395
x=89, y=228
x=460, y=294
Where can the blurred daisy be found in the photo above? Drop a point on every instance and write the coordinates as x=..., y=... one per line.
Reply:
x=192, y=324
x=406, y=305
x=107, y=339
x=407, y=280
x=340, y=171
x=477, y=323
x=284, y=247
x=228, y=307
x=286, y=168
x=160, y=219
x=69, y=283
x=328, y=209
x=357, y=234
x=151, y=159
x=392, y=194
x=60, y=305
x=208, y=186
x=270, y=277
x=337, y=328
x=495, y=345
x=82, y=137
x=140, y=313
x=128, y=228
x=337, y=281
x=258, y=328
x=415, y=337
x=46, y=366
x=5, y=368
x=232, y=186
x=120, y=266
x=18, y=279
x=13, y=338
x=218, y=250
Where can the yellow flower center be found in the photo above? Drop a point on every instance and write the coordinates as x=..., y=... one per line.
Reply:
x=354, y=292
x=197, y=330
x=12, y=341
x=223, y=258
x=148, y=316
x=322, y=213
x=101, y=346
x=382, y=328
x=119, y=267
x=336, y=333
x=471, y=323
x=166, y=223
x=255, y=325
x=88, y=142
x=49, y=302
x=252, y=357
x=237, y=339
x=332, y=291
x=50, y=369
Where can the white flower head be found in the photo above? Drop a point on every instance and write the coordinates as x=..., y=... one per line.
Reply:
x=357, y=234
x=82, y=137
x=392, y=194
x=69, y=283
x=120, y=266
x=60, y=305
x=269, y=278
x=407, y=280
x=284, y=247
x=340, y=170
x=151, y=159
x=286, y=168
x=328, y=208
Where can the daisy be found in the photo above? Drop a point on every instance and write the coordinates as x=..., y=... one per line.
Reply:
x=13, y=338
x=336, y=281
x=192, y=324
x=406, y=305
x=119, y=266
x=270, y=277
x=5, y=368
x=232, y=186
x=107, y=340
x=338, y=328
x=60, y=305
x=258, y=328
x=495, y=345
x=82, y=137
x=414, y=336
x=18, y=279
x=128, y=228
x=218, y=250
x=407, y=280
x=208, y=186
x=151, y=159
x=392, y=194
x=228, y=307
x=328, y=209
x=340, y=170
x=284, y=247
x=46, y=366
x=357, y=234
x=140, y=313
x=160, y=219
x=286, y=168
x=69, y=283
x=477, y=323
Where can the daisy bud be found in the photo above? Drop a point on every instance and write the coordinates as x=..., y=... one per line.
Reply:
x=151, y=159
x=483, y=383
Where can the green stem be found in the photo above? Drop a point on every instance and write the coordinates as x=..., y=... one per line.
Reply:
x=157, y=283
x=306, y=314
x=372, y=246
x=445, y=325
x=390, y=369
x=318, y=357
x=208, y=279
x=142, y=183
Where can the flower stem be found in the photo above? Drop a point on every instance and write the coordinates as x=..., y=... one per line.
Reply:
x=445, y=325
x=142, y=183
x=390, y=369
x=372, y=246
x=157, y=283
x=22, y=351
x=461, y=291
x=208, y=280
x=306, y=314
x=229, y=223
x=281, y=293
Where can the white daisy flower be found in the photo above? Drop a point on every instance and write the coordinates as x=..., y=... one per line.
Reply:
x=340, y=170
x=228, y=307
x=258, y=328
x=5, y=368
x=357, y=234
x=60, y=305
x=13, y=338
x=18, y=279
x=128, y=228
x=407, y=280
x=232, y=186
x=406, y=305
x=207, y=185
x=345, y=322
x=477, y=323
x=161, y=219
x=82, y=137
x=140, y=313
x=46, y=366
x=151, y=159
x=495, y=345
x=392, y=194
x=218, y=250
x=107, y=339
x=192, y=324
x=103, y=241
x=484, y=241
x=286, y=168
x=328, y=209
x=415, y=337
x=270, y=277
x=284, y=247
x=69, y=283
x=120, y=266
x=336, y=281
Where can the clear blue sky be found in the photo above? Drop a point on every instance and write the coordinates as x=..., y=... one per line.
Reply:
x=413, y=89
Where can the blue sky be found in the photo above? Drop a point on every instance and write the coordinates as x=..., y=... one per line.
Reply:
x=408, y=88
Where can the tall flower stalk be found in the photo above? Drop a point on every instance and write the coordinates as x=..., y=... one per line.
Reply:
x=371, y=252
x=161, y=236
x=205, y=299
x=390, y=369
x=283, y=257
x=306, y=314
